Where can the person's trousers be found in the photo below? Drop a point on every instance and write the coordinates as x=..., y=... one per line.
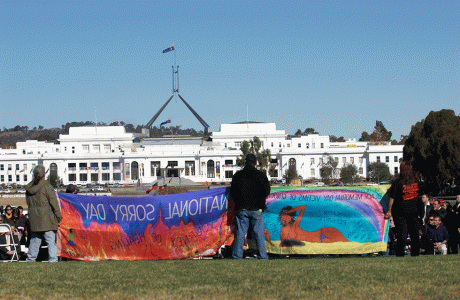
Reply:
x=36, y=241
x=407, y=224
x=246, y=219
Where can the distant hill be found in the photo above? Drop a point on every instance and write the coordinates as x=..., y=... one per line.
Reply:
x=10, y=136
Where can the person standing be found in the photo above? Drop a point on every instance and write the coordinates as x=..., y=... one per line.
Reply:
x=44, y=215
x=402, y=206
x=249, y=189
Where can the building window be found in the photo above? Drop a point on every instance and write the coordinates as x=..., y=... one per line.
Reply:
x=336, y=159
x=344, y=160
x=322, y=145
x=172, y=164
x=18, y=178
x=312, y=172
x=210, y=169
x=24, y=167
x=97, y=148
x=299, y=145
x=25, y=178
x=155, y=168
x=289, y=145
x=307, y=145
x=238, y=144
x=190, y=168
x=94, y=177
x=85, y=148
x=312, y=161
x=116, y=176
x=10, y=167
x=229, y=162
x=73, y=149
x=272, y=144
x=228, y=174
x=396, y=170
x=17, y=167
x=83, y=177
x=73, y=177
x=105, y=176
x=94, y=166
x=2, y=167
x=10, y=178
x=360, y=160
x=360, y=170
x=395, y=159
x=313, y=145
x=107, y=148
x=280, y=145
x=387, y=159
x=2, y=178
x=105, y=166
x=352, y=160
x=320, y=160
x=378, y=159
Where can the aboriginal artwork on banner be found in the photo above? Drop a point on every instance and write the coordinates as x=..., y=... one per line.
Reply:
x=309, y=220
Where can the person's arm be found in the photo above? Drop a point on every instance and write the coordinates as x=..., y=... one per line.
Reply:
x=299, y=217
x=390, y=206
x=53, y=202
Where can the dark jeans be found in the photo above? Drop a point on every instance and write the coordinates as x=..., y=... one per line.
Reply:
x=407, y=224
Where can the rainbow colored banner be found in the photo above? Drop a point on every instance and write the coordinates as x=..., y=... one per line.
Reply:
x=176, y=226
x=325, y=220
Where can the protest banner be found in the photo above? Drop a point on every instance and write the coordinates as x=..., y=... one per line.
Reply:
x=325, y=220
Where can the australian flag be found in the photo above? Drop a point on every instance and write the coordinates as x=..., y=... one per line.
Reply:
x=169, y=49
x=165, y=122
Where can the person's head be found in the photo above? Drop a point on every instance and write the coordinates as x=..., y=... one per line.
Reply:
x=8, y=210
x=251, y=159
x=39, y=173
x=285, y=217
x=407, y=174
x=436, y=204
x=436, y=221
x=71, y=189
x=458, y=198
x=15, y=213
x=425, y=199
x=21, y=210
x=445, y=205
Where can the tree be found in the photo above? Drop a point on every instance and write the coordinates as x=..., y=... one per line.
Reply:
x=298, y=132
x=309, y=131
x=365, y=137
x=380, y=133
x=334, y=139
x=291, y=174
x=328, y=168
x=433, y=147
x=254, y=146
x=379, y=171
x=349, y=174
x=54, y=180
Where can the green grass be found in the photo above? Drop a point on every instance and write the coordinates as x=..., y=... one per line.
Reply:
x=425, y=277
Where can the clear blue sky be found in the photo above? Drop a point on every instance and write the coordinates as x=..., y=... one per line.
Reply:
x=336, y=66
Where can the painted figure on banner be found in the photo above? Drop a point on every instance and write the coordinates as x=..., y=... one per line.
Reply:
x=292, y=235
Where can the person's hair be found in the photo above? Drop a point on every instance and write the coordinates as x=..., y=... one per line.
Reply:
x=71, y=188
x=8, y=206
x=407, y=175
x=437, y=200
x=251, y=159
x=284, y=211
x=39, y=172
x=16, y=213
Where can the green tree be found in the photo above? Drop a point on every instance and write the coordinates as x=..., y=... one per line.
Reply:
x=433, y=146
x=380, y=133
x=328, y=168
x=309, y=131
x=254, y=146
x=379, y=171
x=291, y=174
x=333, y=139
x=349, y=174
x=298, y=132
x=365, y=137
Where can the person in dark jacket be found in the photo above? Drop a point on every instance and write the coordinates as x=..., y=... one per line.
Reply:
x=44, y=215
x=402, y=206
x=249, y=189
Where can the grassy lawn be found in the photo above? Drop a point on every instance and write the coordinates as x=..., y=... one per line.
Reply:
x=425, y=277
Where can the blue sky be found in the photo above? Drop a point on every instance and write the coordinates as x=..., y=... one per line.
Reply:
x=336, y=66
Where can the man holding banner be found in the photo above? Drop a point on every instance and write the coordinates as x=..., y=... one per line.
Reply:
x=249, y=189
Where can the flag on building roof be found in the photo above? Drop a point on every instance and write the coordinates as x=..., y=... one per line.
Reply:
x=169, y=49
x=165, y=122
x=152, y=188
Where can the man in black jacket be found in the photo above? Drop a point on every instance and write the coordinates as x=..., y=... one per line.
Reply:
x=249, y=189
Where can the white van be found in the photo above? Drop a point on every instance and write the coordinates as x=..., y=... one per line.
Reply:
x=318, y=183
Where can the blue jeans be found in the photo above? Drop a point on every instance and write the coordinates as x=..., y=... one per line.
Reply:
x=36, y=241
x=244, y=219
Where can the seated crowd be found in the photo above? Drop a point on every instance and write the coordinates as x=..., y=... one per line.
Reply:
x=19, y=223
x=439, y=228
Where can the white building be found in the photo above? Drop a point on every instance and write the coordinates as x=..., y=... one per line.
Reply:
x=108, y=154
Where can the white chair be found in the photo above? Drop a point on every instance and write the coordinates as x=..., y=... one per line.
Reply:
x=9, y=241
